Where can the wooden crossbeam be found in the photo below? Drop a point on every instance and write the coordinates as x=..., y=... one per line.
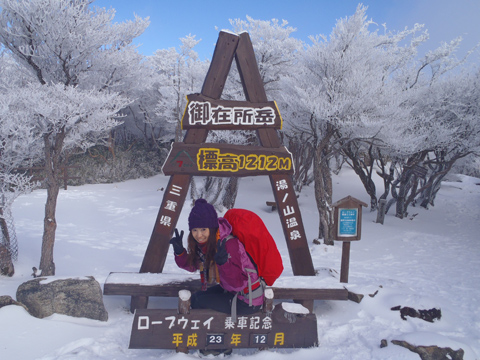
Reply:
x=127, y=284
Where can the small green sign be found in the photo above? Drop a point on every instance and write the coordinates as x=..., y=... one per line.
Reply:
x=347, y=222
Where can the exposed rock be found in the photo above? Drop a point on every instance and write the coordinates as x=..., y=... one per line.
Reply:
x=78, y=297
x=6, y=300
x=355, y=297
x=6, y=264
x=432, y=352
x=428, y=315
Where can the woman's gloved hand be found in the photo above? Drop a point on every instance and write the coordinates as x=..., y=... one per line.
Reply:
x=176, y=242
x=221, y=256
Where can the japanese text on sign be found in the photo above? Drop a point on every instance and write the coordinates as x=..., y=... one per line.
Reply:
x=235, y=339
x=167, y=329
x=347, y=224
x=211, y=159
x=204, y=113
x=244, y=322
x=288, y=211
x=182, y=328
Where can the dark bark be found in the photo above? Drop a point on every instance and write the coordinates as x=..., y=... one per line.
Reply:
x=323, y=188
x=230, y=193
x=403, y=189
x=47, y=265
x=6, y=260
x=303, y=154
x=363, y=168
x=407, y=183
x=439, y=167
x=5, y=232
x=387, y=177
x=53, y=164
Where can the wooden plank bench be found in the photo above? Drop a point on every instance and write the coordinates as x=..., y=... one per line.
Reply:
x=302, y=289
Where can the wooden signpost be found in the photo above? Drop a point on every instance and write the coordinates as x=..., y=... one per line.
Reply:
x=204, y=112
x=347, y=220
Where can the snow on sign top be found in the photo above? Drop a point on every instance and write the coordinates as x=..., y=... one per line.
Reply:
x=295, y=308
x=149, y=278
x=230, y=32
x=323, y=280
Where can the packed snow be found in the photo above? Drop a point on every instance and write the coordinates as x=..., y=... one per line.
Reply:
x=429, y=260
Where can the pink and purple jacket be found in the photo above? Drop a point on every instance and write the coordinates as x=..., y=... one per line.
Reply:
x=233, y=274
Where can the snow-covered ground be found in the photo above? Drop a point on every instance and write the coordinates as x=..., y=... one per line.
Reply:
x=430, y=260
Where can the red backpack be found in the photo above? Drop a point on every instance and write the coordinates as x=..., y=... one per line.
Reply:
x=249, y=228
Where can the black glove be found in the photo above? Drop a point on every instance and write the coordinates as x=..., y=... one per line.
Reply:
x=221, y=256
x=176, y=242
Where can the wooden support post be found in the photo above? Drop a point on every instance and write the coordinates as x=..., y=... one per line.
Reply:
x=178, y=186
x=345, y=262
x=184, y=297
x=272, y=204
x=138, y=302
x=268, y=301
x=286, y=199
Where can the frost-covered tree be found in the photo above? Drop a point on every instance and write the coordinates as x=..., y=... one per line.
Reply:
x=18, y=151
x=447, y=126
x=65, y=119
x=358, y=93
x=345, y=96
x=276, y=50
x=80, y=60
x=433, y=127
x=177, y=73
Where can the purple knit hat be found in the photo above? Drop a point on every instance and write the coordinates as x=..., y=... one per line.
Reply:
x=203, y=215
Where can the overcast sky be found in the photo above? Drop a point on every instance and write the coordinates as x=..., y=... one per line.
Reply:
x=172, y=20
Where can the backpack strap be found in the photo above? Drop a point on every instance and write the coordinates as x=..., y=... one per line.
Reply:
x=253, y=290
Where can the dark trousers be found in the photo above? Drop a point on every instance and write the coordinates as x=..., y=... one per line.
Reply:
x=216, y=298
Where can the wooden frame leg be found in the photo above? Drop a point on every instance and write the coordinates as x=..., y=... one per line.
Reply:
x=138, y=302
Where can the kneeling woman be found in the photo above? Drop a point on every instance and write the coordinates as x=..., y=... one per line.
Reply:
x=222, y=259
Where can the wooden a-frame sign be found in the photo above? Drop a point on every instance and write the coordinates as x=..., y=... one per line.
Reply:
x=229, y=47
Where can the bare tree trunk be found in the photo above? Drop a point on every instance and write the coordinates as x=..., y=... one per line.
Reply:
x=408, y=183
x=323, y=190
x=439, y=168
x=4, y=227
x=387, y=177
x=364, y=170
x=401, y=210
x=52, y=172
x=303, y=154
x=47, y=266
x=6, y=261
x=230, y=193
